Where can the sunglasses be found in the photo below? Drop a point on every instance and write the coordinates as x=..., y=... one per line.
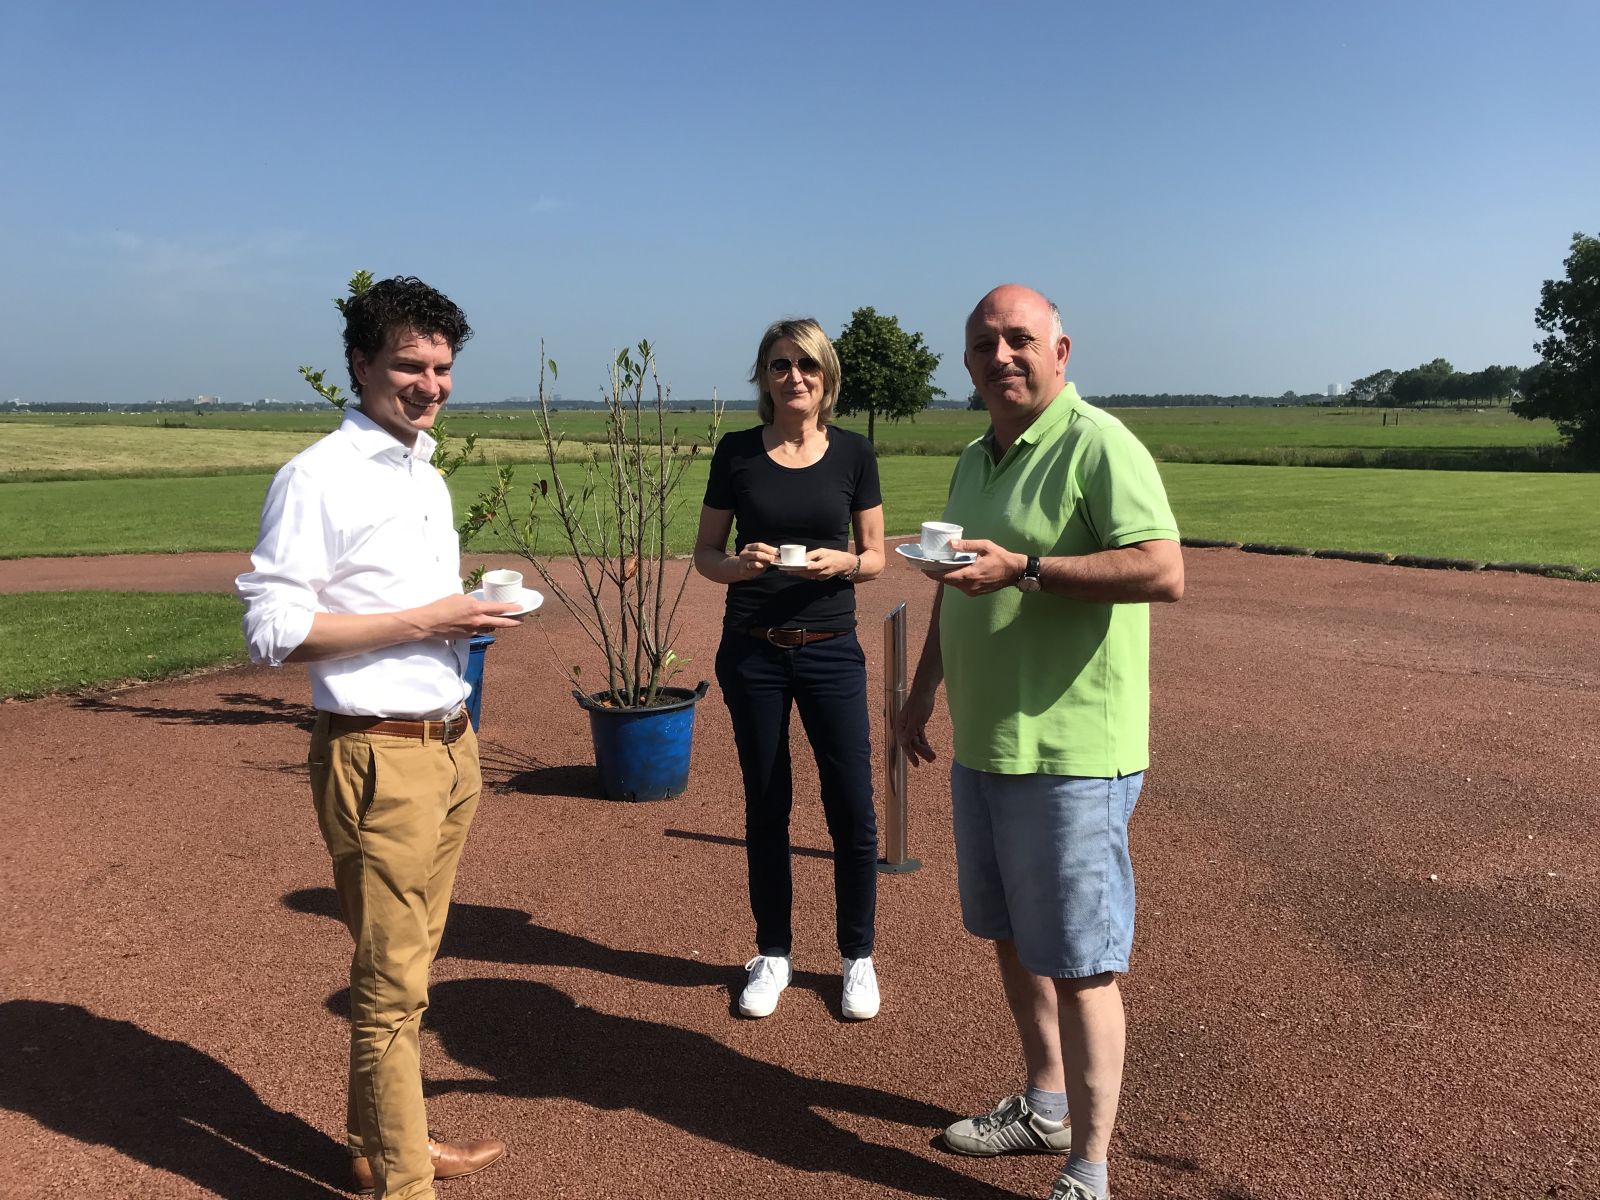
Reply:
x=780, y=367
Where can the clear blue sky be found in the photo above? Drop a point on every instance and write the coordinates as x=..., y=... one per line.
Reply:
x=1223, y=197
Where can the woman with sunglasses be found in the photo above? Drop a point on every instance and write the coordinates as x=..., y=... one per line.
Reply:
x=789, y=640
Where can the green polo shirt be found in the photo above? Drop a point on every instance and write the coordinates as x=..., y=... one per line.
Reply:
x=1042, y=684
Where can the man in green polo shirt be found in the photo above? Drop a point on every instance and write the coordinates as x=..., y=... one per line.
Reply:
x=1043, y=643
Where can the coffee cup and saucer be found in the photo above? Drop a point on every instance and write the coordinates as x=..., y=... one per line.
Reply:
x=932, y=554
x=505, y=587
x=792, y=559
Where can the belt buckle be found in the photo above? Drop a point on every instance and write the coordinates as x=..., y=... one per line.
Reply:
x=453, y=725
x=798, y=634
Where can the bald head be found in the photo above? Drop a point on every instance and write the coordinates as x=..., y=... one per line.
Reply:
x=1016, y=353
x=1014, y=297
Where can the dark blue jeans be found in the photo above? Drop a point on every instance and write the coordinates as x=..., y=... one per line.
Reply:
x=827, y=682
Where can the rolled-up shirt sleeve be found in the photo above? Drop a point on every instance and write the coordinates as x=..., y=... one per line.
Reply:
x=292, y=564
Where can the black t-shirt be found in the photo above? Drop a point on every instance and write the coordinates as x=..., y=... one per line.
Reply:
x=811, y=505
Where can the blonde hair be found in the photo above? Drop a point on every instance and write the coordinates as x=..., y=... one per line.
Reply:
x=805, y=333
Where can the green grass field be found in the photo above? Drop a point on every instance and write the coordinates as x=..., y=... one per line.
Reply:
x=72, y=641
x=1538, y=517
x=68, y=641
x=181, y=483
x=82, y=445
x=47, y=453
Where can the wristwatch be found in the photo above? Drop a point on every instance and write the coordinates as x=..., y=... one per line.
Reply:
x=1030, y=581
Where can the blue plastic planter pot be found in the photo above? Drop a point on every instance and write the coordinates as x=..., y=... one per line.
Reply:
x=643, y=753
x=474, y=676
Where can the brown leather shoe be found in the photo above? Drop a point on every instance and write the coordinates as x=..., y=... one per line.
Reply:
x=451, y=1160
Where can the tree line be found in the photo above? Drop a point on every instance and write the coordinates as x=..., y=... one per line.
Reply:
x=888, y=371
x=1437, y=382
x=1563, y=386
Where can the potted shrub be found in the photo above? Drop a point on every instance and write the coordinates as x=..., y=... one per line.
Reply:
x=608, y=513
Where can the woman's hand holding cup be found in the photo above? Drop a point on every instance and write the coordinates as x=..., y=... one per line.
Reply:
x=755, y=558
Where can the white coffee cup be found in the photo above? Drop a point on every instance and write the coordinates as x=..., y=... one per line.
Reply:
x=502, y=586
x=792, y=555
x=936, y=539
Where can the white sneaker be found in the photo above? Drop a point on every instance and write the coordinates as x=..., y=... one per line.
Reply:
x=768, y=978
x=860, y=989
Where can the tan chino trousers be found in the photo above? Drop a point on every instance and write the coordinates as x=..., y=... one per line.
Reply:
x=394, y=812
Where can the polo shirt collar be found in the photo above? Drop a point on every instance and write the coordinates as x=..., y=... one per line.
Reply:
x=1043, y=425
x=372, y=440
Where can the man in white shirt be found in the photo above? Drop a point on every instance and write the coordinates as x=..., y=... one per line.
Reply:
x=357, y=573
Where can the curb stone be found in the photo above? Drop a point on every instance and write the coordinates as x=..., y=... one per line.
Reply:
x=1383, y=558
x=1431, y=563
x=1361, y=556
x=1274, y=548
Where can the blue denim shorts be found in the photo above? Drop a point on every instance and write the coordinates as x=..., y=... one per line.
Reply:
x=1042, y=860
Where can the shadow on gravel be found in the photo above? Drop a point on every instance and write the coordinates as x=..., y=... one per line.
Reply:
x=508, y=771
x=488, y=933
x=159, y=1102
x=532, y=1040
x=721, y=839
x=248, y=709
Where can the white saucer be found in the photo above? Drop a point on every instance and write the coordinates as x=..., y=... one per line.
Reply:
x=530, y=601
x=793, y=568
x=933, y=566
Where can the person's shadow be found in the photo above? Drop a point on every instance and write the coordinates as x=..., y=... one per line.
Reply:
x=531, y=1040
x=161, y=1102
x=244, y=708
x=489, y=933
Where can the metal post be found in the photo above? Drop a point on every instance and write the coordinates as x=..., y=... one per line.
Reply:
x=895, y=859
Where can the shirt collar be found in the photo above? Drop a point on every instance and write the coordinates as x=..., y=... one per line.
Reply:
x=1054, y=413
x=374, y=441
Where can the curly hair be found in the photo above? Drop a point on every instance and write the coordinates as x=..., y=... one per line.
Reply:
x=395, y=306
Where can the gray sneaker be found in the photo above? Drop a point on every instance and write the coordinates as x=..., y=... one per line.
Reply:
x=1012, y=1128
x=1071, y=1189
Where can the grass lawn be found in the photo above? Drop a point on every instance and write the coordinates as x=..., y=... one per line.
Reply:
x=45, y=453
x=1537, y=517
x=73, y=640
x=56, y=446
x=1490, y=516
x=67, y=641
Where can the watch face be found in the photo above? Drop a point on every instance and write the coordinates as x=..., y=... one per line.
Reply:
x=1030, y=576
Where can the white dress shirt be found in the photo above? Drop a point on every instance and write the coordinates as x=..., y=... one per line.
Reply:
x=358, y=523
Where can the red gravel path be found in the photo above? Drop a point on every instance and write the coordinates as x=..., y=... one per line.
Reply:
x=1367, y=961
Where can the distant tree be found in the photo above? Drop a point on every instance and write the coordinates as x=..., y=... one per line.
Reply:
x=1525, y=383
x=1565, y=385
x=1422, y=384
x=976, y=402
x=1491, y=383
x=885, y=369
x=1374, y=388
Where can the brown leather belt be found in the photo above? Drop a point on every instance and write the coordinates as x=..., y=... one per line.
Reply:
x=448, y=730
x=791, y=638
